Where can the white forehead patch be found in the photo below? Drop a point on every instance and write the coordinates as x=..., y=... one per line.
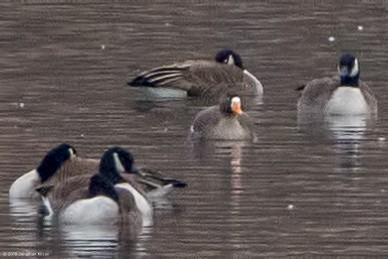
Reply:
x=119, y=166
x=230, y=60
x=355, y=69
x=236, y=100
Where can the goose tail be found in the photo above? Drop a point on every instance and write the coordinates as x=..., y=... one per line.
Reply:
x=158, y=77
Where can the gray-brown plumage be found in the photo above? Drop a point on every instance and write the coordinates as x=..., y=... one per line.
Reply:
x=24, y=186
x=203, y=78
x=340, y=95
x=93, y=200
x=226, y=121
x=77, y=166
x=153, y=183
x=73, y=195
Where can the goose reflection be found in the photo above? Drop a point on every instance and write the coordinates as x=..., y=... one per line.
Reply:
x=348, y=133
x=21, y=209
x=230, y=155
x=103, y=240
x=344, y=132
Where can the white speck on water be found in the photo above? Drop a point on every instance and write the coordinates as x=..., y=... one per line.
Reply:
x=360, y=28
x=21, y=105
x=102, y=46
x=331, y=39
x=382, y=190
x=165, y=129
x=381, y=139
x=290, y=207
x=167, y=24
x=82, y=135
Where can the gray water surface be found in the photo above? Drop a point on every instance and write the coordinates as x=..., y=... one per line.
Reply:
x=308, y=191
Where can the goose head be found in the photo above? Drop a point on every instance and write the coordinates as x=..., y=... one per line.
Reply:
x=231, y=106
x=349, y=70
x=227, y=56
x=54, y=160
x=116, y=161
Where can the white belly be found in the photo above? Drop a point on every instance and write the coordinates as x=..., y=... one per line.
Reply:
x=141, y=202
x=97, y=210
x=347, y=101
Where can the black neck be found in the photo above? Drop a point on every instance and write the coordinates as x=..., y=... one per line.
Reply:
x=350, y=81
x=48, y=167
x=101, y=186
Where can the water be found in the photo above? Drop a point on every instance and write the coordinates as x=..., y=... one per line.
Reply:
x=312, y=191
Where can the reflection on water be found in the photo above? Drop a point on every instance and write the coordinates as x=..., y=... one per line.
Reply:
x=90, y=240
x=345, y=132
x=348, y=132
x=23, y=208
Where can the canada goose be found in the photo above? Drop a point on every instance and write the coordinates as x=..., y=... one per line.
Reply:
x=340, y=95
x=24, y=186
x=96, y=203
x=225, y=121
x=202, y=77
x=153, y=183
x=114, y=162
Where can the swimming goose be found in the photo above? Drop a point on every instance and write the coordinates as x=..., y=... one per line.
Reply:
x=225, y=121
x=114, y=162
x=96, y=203
x=202, y=77
x=340, y=95
x=153, y=183
x=24, y=186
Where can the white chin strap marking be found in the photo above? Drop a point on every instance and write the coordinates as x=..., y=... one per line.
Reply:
x=355, y=69
x=230, y=60
x=71, y=151
x=119, y=166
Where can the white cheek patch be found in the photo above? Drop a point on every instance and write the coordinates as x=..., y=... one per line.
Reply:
x=119, y=166
x=72, y=154
x=230, y=60
x=355, y=69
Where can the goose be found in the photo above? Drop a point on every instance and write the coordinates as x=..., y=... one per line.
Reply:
x=341, y=95
x=201, y=78
x=96, y=203
x=24, y=186
x=153, y=183
x=226, y=121
x=114, y=162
